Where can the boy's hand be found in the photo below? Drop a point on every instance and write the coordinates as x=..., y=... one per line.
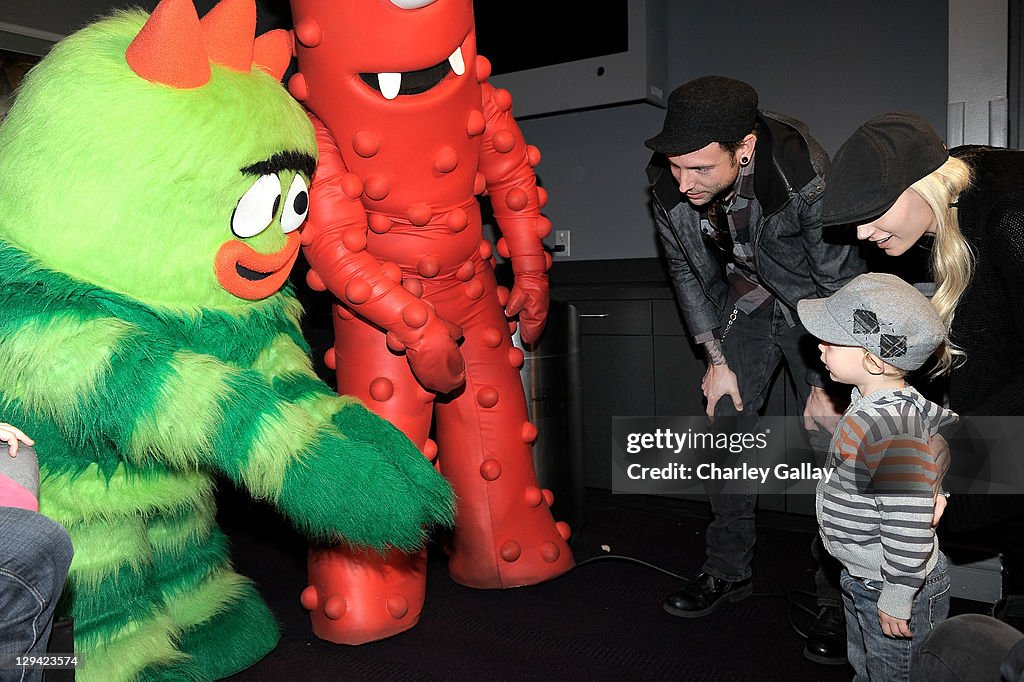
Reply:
x=940, y=449
x=940, y=507
x=11, y=436
x=893, y=627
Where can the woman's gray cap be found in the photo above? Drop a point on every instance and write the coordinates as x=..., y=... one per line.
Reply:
x=880, y=312
x=877, y=164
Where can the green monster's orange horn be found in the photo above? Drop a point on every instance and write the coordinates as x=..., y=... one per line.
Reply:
x=273, y=52
x=169, y=49
x=228, y=31
x=175, y=48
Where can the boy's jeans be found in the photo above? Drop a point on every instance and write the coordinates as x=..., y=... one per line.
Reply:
x=873, y=655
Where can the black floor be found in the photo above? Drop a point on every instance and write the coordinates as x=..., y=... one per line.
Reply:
x=601, y=621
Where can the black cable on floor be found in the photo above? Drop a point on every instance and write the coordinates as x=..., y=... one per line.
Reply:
x=790, y=597
x=619, y=557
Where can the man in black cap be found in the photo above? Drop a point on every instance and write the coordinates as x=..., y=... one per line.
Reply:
x=737, y=203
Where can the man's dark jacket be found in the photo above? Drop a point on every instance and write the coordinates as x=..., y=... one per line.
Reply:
x=791, y=255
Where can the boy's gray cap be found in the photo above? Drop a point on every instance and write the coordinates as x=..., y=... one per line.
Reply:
x=879, y=312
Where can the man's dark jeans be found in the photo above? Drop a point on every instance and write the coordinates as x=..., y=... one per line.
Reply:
x=754, y=347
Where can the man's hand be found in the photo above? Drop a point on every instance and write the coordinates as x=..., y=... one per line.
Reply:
x=11, y=436
x=821, y=411
x=720, y=381
x=893, y=627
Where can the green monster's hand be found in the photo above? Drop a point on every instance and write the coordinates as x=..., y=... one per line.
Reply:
x=375, y=489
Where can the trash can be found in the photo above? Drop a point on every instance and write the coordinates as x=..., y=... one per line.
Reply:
x=552, y=383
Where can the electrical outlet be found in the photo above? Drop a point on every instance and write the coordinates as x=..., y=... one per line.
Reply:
x=561, y=243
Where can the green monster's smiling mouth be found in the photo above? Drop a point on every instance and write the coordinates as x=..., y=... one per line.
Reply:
x=249, y=274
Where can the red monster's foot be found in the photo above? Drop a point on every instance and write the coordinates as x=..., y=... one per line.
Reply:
x=357, y=596
x=524, y=547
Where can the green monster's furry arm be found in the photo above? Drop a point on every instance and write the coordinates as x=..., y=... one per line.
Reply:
x=255, y=412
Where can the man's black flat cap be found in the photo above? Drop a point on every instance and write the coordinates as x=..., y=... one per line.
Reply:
x=705, y=110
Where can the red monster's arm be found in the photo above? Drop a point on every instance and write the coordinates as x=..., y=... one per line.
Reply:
x=334, y=243
x=507, y=163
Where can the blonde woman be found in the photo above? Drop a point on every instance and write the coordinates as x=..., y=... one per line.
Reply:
x=896, y=181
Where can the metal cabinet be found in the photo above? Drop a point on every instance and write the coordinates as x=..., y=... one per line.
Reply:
x=638, y=360
x=616, y=350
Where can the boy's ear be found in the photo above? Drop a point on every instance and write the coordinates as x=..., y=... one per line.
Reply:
x=874, y=364
x=882, y=366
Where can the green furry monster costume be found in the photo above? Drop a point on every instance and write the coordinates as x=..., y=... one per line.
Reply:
x=152, y=182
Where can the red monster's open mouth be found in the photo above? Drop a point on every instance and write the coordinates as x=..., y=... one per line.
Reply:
x=391, y=85
x=249, y=274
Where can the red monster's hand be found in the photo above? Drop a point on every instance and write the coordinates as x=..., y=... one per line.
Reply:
x=412, y=324
x=433, y=354
x=529, y=297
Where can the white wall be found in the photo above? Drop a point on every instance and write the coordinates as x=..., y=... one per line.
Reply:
x=977, y=72
x=832, y=64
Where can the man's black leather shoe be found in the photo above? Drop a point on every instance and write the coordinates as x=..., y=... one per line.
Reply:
x=826, y=640
x=1010, y=610
x=702, y=595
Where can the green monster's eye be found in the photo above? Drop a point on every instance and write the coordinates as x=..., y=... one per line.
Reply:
x=296, y=206
x=255, y=210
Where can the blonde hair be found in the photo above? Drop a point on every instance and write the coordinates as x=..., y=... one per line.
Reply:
x=875, y=366
x=952, y=262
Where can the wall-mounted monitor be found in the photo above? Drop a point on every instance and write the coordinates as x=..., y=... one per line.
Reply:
x=563, y=55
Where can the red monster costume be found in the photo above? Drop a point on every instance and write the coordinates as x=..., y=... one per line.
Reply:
x=410, y=133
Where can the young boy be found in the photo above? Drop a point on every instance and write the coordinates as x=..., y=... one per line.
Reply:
x=875, y=513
